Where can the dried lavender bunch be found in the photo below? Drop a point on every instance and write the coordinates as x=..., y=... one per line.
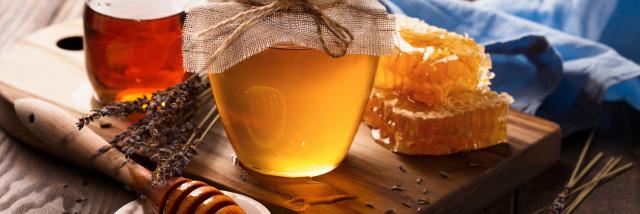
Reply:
x=121, y=109
x=564, y=203
x=559, y=203
x=174, y=162
x=166, y=134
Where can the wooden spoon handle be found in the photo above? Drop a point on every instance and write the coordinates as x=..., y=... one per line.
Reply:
x=56, y=128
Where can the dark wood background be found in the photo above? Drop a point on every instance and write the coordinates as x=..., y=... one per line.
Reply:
x=34, y=182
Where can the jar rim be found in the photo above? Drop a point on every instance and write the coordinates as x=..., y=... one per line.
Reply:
x=290, y=46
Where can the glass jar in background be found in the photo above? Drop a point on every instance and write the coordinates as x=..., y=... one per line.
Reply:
x=293, y=112
x=133, y=47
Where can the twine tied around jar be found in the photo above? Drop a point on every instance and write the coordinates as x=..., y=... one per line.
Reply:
x=339, y=31
x=220, y=33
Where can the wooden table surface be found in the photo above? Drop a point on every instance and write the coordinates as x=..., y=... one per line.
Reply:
x=33, y=182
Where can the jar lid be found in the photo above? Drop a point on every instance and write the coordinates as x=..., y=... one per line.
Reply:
x=221, y=33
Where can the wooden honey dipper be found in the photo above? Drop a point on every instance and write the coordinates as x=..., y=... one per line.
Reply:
x=55, y=127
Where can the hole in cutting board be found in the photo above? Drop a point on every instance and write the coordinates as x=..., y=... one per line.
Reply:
x=72, y=43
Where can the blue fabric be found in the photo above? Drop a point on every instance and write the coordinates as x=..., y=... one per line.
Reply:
x=545, y=53
x=611, y=22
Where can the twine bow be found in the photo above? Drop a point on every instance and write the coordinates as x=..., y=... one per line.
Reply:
x=344, y=35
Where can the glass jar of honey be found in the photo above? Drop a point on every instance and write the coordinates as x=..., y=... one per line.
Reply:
x=293, y=112
x=132, y=47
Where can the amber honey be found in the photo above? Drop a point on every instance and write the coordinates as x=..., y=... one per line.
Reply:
x=132, y=52
x=293, y=112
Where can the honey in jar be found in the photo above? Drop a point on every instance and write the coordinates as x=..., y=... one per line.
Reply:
x=293, y=112
x=133, y=47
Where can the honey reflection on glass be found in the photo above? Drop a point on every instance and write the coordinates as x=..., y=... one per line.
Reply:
x=293, y=112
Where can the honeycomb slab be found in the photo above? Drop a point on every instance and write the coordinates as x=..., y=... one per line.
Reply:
x=431, y=63
x=432, y=97
x=470, y=121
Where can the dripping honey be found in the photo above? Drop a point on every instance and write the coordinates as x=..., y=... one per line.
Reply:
x=293, y=112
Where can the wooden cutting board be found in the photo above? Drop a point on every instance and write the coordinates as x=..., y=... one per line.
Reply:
x=37, y=67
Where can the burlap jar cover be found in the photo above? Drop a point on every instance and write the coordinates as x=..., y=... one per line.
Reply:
x=220, y=33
